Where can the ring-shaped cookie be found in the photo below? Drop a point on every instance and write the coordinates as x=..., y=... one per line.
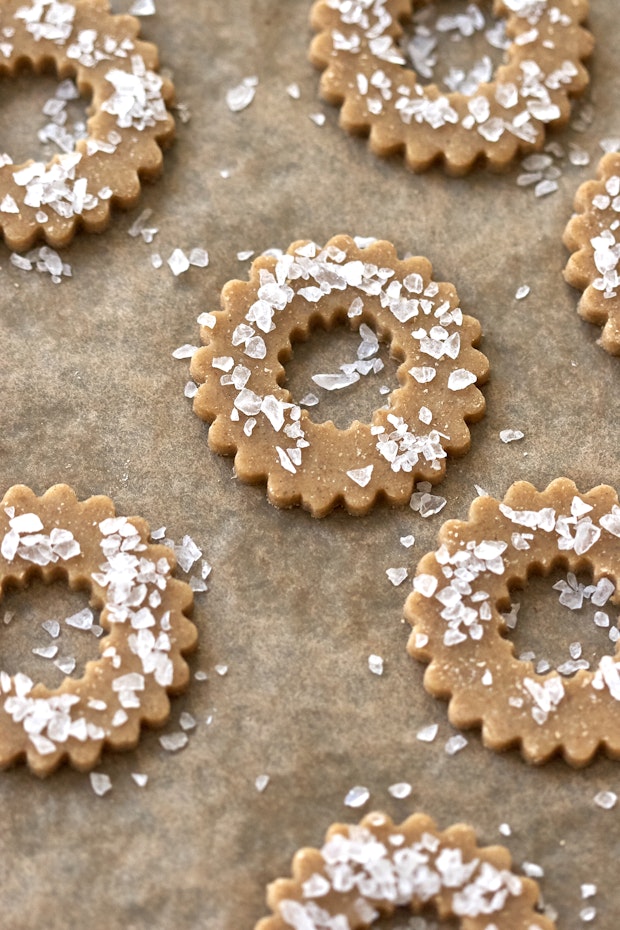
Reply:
x=128, y=118
x=365, y=70
x=142, y=612
x=254, y=417
x=367, y=870
x=594, y=239
x=456, y=609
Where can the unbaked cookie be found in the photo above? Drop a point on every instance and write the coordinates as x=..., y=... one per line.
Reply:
x=364, y=872
x=128, y=122
x=365, y=70
x=143, y=613
x=594, y=239
x=253, y=417
x=460, y=592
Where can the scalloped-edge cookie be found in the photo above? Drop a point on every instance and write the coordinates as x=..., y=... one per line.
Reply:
x=365, y=70
x=143, y=613
x=240, y=372
x=594, y=239
x=365, y=871
x=128, y=121
x=456, y=609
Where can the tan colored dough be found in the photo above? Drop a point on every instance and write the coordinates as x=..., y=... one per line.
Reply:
x=460, y=634
x=100, y=51
x=365, y=71
x=592, y=236
x=255, y=419
x=143, y=613
x=413, y=865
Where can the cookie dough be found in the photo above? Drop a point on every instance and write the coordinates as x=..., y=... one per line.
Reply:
x=460, y=592
x=128, y=122
x=594, y=239
x=365, y=70
x=364, y=872
x=253, y=417
x=143, y=612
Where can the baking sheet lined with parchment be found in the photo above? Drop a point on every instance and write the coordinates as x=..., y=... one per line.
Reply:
x=92, y=396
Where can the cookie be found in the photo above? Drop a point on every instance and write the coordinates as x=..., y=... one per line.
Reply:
x=128, y=122
x=143, y=613
x=253, y=416
x=365, y=70
x=364, y=872
x=460, y=592
x=593, y=238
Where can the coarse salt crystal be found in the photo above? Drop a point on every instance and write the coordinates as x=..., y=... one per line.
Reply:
x=361, y=476
x=427, y=734
x=407, y=541
x=396, y=575
x=178, y=262
x=606, y=800
x=100, y=783
x=522, y=292
x=400, y=790
x=455, y=744
x=357, y=796
x=511, y=435
x=261, y=782
x=241, y=96
x=140, y=779
x=172, y=742
x=375, y=664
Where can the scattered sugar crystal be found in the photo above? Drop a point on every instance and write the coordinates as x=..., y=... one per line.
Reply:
x=185, y=351
x=427, y=734
x=241, y=96
x=52, y=627
x=522, y=292
x=455, y=744
x=140, y=779
x=610, y=144
x=142, y=8
x=221, y=670
x=361, y=476
x=606, y=800
x=396, y=575
x=357, y=796
x=66, y=664
x=45, y=652
x=83, y=620
x=187, y=721
x=261, y=782
x=375, y=664
x=407, y=541
x=100, y=783
x=511, y=435
x=178, y=262
x=172, y=742
x=199, y=258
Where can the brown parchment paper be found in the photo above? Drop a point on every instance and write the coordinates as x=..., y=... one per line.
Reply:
x=92, y=396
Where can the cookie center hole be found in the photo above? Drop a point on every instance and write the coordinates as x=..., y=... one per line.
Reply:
x=563, y=622
x=47, y=631
x=341, y=375
x=455, y=45
x=40, y=116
